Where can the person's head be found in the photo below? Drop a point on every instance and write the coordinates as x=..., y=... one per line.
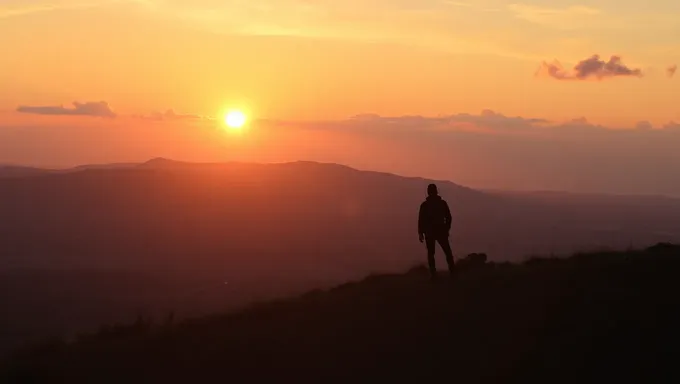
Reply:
x=432, y=190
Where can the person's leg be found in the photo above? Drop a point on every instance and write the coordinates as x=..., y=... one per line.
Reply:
x=430, y=241
x=446, y=247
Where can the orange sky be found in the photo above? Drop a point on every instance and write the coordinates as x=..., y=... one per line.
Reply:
x=314, y=64
x=295, y=59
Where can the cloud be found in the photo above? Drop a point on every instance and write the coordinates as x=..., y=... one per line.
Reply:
x=170, y=114
x=670, y=71
x=27, y=8
x=97, y=108
x=458, y=3
x=573, y=17
x=579, y=121
x=672, y=126
x=401, y=23
x=487, y=119
x=592, y=67
x=644, y=125
x=501, y=151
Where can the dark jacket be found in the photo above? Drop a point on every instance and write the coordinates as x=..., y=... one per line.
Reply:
x=434, y=218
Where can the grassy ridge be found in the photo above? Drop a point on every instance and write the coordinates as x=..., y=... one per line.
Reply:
x=600, y=317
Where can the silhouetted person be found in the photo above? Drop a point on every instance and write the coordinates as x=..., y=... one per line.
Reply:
x=434, y=224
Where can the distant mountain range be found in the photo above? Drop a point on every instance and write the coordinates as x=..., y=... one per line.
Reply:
x=170, y=212
x=248, y=231
x=20, y=171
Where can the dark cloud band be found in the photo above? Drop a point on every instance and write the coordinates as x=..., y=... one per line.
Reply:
x=98, y=109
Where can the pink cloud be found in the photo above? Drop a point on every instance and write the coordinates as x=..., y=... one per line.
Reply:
x=592, y=67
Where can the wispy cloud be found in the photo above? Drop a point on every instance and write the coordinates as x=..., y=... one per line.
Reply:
x=590, y=68
x=28, y=7
x=487, y=120
x=572, y=17
x=458, y=3
x=168, y=115
x=672, y=126
x=97, y=109
x=644, y=125
x=418, y=23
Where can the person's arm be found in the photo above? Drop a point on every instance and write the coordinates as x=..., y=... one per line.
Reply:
x=447, y=216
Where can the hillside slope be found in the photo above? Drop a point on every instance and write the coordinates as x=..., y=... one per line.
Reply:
x=591, y=318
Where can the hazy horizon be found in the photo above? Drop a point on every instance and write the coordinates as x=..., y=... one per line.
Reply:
x=481, y=189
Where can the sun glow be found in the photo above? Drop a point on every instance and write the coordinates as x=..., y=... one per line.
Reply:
x=235, y=119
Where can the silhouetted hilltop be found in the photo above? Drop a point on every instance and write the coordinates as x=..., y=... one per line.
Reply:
x=601, y=318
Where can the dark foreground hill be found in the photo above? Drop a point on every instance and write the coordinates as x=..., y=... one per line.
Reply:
x=603, y=318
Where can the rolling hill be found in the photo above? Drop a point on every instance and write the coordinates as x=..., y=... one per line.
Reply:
x=607, y=317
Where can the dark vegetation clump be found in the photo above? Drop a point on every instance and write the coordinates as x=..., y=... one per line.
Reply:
x=595, y=317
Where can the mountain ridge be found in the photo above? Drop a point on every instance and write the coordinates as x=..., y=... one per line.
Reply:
x=14, y=170
x=167, y=163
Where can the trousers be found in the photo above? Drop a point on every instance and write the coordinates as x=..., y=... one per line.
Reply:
x=443, y=240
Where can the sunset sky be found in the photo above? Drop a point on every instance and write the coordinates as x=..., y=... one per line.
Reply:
x=485, y=93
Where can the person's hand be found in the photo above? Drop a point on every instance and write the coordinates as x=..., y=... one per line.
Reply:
x=421, y=237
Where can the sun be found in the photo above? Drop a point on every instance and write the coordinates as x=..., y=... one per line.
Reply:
x=235, y=119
